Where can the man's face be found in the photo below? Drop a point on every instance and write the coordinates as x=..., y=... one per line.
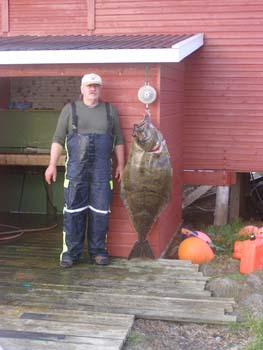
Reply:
x=91, y=92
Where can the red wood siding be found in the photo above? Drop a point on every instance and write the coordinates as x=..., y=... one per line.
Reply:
x=223, y=123
x=60, y=17
x=167, y=115
x=223, y=126
x=122, y=92
x=171, y=100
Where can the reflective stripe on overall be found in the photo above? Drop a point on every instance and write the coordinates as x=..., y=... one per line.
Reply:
x=87, y=190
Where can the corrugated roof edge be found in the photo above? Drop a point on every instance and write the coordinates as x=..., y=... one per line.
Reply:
x=175, y=53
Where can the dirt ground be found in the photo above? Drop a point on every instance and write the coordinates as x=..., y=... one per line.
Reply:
x=159, y=335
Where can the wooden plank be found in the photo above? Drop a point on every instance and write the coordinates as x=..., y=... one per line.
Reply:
x=159, y=288
x=184, y=290
x=91, y=14
x=121, y=320
x=171, y=312
x=12, y=262
x=221, y=208
x=211, y=177
x=27, y=159
x=57, y=328
x=26, y=344
x=194, y=195
x=208, y=309
x=176, y=309
x=47, y=296
x=66, y=331
x=133, y=300
x=38, y=275
x=5, y=16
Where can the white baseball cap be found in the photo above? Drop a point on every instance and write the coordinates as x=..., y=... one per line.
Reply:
x=91, y=78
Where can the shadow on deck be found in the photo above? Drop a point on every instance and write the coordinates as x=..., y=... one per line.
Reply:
x=89, y=306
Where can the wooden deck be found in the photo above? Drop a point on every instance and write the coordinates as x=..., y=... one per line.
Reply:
x=93, y=307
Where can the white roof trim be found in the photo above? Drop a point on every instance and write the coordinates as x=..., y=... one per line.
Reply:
x=175, y=54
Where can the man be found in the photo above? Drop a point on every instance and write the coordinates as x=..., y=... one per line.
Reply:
x=90, y=130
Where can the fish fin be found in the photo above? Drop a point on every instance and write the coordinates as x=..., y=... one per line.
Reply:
x=141, y=250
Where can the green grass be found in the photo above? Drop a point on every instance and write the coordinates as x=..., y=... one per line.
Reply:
x=225, y=236
x=254, y=328
x=135, y=338
x=236, y=277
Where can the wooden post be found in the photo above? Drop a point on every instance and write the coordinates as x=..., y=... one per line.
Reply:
x=244, y=210
x=234, y=202
x=91, y=14
x=221, y=209
x=238, y=197
x=5, y=16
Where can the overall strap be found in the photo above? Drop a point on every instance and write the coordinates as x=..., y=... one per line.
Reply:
x=74, y=118
x=109, y=118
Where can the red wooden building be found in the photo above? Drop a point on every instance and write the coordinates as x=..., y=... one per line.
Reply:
x=209, y=104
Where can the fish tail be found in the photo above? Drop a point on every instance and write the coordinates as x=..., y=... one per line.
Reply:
x=141, y=249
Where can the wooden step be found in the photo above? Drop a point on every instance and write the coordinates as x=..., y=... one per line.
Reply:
x=206, y=309
x=32, y=328
x=90, y=306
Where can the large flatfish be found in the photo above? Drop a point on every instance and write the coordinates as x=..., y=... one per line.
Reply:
x=147, y=183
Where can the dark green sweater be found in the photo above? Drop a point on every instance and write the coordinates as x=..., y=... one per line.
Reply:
x=90, y=120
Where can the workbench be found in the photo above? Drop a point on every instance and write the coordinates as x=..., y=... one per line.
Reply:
x=25, y=140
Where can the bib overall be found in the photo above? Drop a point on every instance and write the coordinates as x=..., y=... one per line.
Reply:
x=87, y=190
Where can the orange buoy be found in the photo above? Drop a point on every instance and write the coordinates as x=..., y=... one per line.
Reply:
x=248, y=231
x=196, y=250
x=250, y=253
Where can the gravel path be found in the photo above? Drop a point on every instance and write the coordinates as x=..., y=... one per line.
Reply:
x=159, y=335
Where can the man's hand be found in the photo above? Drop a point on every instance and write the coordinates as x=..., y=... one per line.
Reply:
x=119, y=173
x=51, y=174
x=119, y=151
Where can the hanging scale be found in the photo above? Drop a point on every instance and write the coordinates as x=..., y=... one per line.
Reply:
x=147, y=94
